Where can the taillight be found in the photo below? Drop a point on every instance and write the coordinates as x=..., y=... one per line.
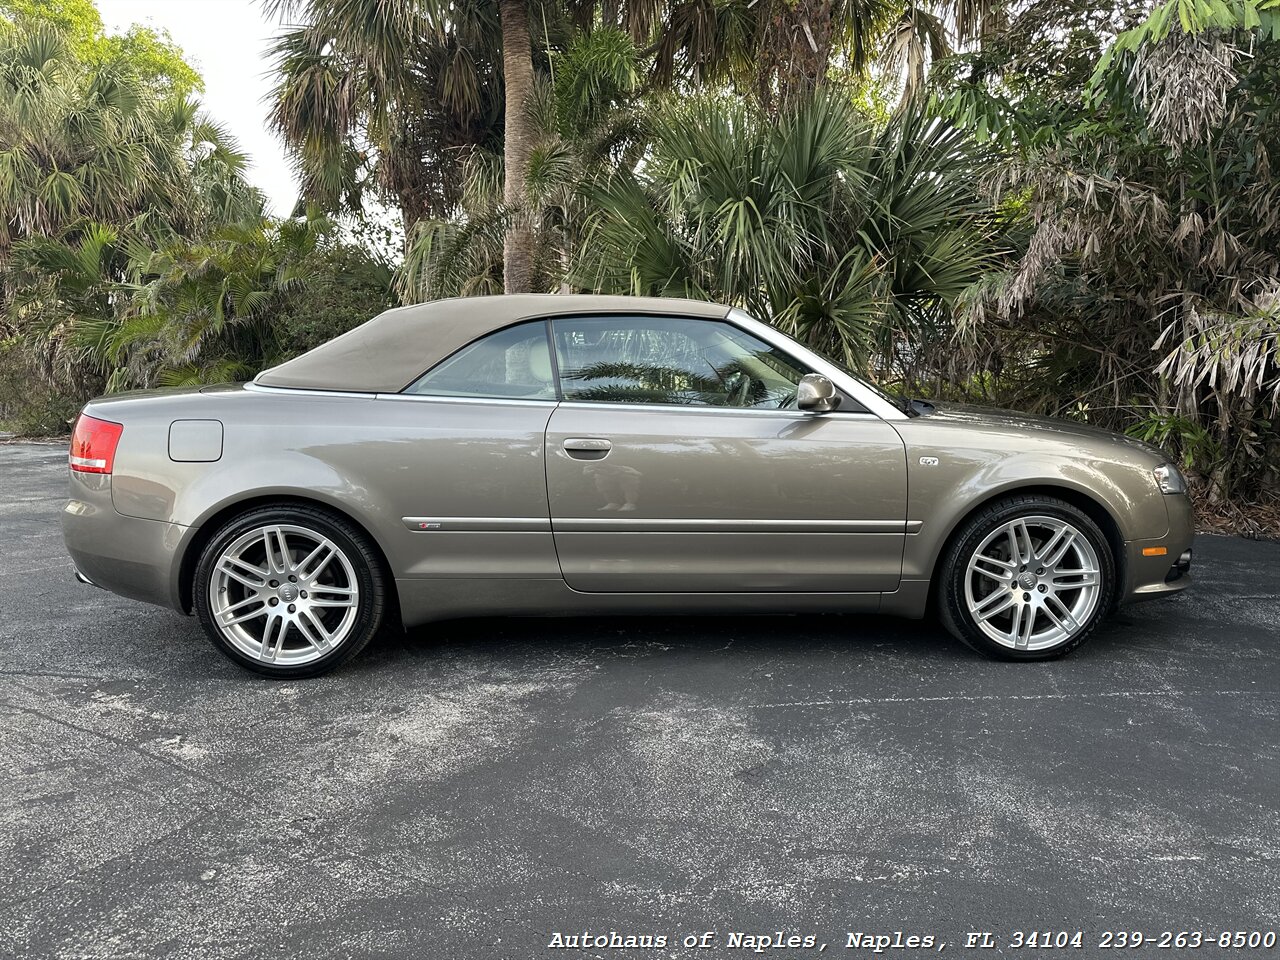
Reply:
x=93, y=444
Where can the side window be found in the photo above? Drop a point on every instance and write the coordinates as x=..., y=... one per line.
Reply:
x=642, y=359
x=514, y=363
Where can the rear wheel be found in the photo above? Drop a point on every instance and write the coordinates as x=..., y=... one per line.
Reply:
x=289, y=591
x=1027, y=578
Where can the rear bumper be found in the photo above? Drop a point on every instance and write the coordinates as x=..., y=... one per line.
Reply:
x=1152, y=577
x=132, y=557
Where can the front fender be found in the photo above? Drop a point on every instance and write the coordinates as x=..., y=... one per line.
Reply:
x=942, y=495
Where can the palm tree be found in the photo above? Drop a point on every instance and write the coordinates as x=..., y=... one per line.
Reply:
x=82, y=141
x=93, y=161
x=517, y=73
x=584, y=118
x=391, y=94
x=182, y=313
x=420, y=83
x=858, y=241
x=379, y=96
x=206, y=311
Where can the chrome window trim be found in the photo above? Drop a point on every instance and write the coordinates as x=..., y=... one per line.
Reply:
x=427, y=398
x=255, y=387
x=688, y=408
x=850, y=385
x=694, y=408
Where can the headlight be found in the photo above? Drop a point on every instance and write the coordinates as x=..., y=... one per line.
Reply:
x=1170, y=479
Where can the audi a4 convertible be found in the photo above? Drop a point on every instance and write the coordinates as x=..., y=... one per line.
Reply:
x=554, y=455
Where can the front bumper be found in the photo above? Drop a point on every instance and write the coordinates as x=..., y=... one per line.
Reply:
x=1151, y=577
x=132, y=557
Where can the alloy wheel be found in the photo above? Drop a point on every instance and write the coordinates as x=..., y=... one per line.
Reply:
x=284, y=594
x=1033, y=583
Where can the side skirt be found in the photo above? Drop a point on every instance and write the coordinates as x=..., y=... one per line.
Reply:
x=427, y=600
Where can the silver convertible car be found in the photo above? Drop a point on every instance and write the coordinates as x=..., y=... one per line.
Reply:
x=553, y=455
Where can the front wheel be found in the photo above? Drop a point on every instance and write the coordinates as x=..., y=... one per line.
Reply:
x=1027, y=578
x=289, y=591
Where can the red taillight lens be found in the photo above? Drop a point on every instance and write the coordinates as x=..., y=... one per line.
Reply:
x=93, y=444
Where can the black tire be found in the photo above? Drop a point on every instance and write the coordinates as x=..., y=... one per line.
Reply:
x=365, y=572
x=953, y=604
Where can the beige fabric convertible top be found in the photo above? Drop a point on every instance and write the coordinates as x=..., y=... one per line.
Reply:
x=392, y=350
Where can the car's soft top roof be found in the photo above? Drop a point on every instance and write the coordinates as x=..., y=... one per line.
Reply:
x=389, y=352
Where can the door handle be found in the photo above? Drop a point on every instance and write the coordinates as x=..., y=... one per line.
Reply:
x=587, y=448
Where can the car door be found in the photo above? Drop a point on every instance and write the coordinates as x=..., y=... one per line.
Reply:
x=677, y=463
x=462, y=452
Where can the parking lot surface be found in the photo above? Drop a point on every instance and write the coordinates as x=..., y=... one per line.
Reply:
x=474, y=788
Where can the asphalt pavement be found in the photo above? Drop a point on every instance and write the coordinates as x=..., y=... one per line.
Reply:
x=490, y=788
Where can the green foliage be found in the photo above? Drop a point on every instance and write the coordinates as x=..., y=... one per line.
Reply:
x=598, y=75
x=189, y=311
x=30, y=405
x=206, y=310
x=145, y=54
x=587, y=120
x=97, y=161
x=375, y=99
x=1144, y=285
x=1195, y=445
x=76, y=20
x=80, y=142
x=856, y=240
x=1194, y=17
x=153, y=57
x=347, y=286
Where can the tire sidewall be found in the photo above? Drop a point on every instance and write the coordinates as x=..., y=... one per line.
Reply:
x=365, y=566
x=955, y=612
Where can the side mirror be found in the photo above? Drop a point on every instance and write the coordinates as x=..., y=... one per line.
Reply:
x=816, y=394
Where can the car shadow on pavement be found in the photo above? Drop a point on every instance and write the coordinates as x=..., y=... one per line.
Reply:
x=762, y=635
x=846, y=639
x=838, y=641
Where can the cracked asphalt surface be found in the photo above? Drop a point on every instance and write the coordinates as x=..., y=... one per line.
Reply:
x=472, y=788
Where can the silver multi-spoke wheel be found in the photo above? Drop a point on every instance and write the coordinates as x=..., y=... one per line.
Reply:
x=283, y=594
x=1033, y=583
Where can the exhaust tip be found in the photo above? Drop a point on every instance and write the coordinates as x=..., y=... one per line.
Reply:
x=82, y=578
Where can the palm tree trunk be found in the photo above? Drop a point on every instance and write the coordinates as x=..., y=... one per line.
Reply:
x=517, y=66
x=797, y=55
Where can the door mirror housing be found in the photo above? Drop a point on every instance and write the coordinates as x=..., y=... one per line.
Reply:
x=816, y=394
